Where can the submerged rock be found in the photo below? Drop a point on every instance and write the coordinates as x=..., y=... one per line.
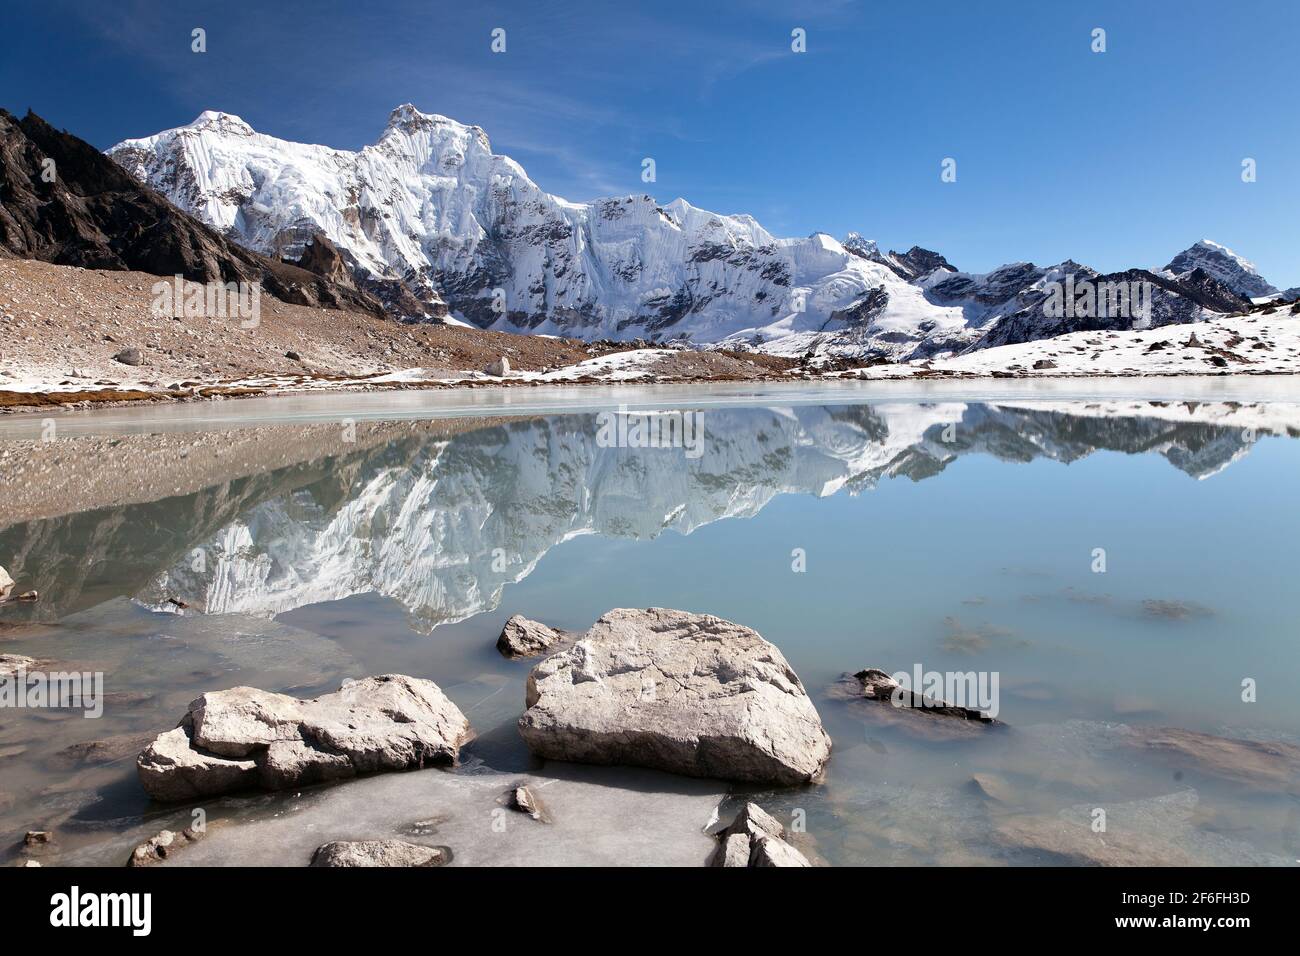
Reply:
x=598, y=817
x=378, y=853
x=244, y=737
x=524, y=638
x=11, y=664
x=161, y=847
x=992, y=787
x=1065, y=843
x=687, y=693
x=1263, y=765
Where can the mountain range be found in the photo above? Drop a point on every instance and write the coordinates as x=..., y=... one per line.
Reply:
x=430, y=210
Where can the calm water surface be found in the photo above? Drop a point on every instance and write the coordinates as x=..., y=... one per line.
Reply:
x=953, y=535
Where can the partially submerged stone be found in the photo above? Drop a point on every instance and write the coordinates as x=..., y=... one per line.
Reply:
x=688, y=693
x=524, y=638
x=244, y=737
x=871, y=694
x=756, y=838
x=880, y=686
x=159, y=848
x=991, y=786
x=378, y=853
x=1060, y=842
x=523, y=800
x=11, y=664
x=1257, y=764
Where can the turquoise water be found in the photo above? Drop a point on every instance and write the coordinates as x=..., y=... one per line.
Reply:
x=953, y=536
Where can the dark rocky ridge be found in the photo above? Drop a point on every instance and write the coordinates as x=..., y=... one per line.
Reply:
x=96, y=216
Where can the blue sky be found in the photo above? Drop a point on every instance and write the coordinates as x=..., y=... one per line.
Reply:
x=1115, y=159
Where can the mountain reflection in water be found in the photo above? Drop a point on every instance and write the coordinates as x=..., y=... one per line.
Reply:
x=442, y=524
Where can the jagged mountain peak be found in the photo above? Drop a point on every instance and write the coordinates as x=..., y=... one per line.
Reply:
x=221, y=122
x=1224, y=265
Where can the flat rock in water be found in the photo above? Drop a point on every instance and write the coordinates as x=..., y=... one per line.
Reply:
x=378, y=853
x=600, y=816
x=524, y=638
x=244, y=737
x=1065, y=843
x=11, y=664
x=687, y=693
x=1267, y=765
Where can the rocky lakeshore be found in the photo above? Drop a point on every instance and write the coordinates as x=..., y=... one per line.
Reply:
x=660, y=737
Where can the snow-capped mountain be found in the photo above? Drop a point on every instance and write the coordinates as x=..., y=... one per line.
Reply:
x=430, y=208
x=1222, y=264
x=430, y=204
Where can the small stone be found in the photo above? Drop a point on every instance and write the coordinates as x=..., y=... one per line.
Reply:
x=6, y=582
x=157, y=849
x=524, y=638
x=293, y=356
x=129, y=357
x=522, y=799
x=378, y=853
x=992, y=787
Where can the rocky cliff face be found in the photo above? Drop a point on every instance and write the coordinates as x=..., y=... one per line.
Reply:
x=62, y=201
x=1224, y=266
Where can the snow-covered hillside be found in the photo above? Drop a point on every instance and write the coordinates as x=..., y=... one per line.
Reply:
x=429, y=206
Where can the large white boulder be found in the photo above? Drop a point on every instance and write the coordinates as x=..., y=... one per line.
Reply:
x=687, y=693
x=244, y=737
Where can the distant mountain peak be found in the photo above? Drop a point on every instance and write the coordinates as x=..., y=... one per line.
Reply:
x=221, y=122
x=1224, y=265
